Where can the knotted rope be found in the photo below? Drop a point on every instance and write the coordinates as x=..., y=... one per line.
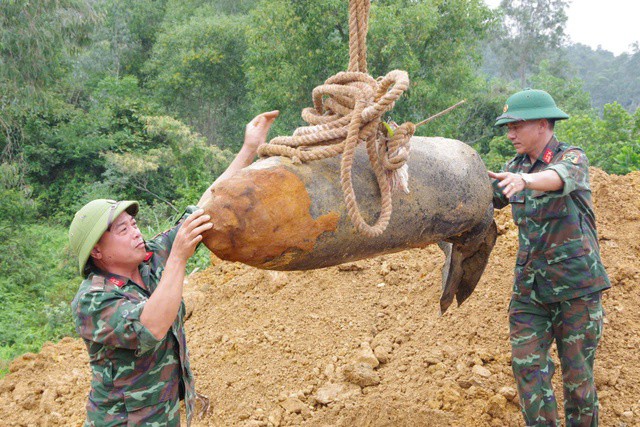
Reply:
x=347, y=110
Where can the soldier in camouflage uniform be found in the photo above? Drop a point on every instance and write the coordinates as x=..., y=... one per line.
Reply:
x=129, y=308
x=559, y=277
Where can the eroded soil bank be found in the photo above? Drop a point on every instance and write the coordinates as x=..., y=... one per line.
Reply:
x=301, y=348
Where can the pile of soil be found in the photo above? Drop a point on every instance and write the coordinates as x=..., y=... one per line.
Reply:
x=363, y=344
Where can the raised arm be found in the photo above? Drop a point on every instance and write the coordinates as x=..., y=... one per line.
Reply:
x=162, y=307
x=255, y=134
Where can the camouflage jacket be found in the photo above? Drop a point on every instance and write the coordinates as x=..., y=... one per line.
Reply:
x=131, y=369
x=559, y=256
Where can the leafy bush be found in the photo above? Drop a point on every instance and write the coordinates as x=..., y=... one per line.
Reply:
x=196, y=72
x=176, y=172
x=35, y=287
x=611, y=143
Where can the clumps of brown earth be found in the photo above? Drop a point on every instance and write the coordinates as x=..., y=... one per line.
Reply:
x=363, y=344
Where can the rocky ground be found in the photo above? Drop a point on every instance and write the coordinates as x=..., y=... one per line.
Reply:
x=363, y=344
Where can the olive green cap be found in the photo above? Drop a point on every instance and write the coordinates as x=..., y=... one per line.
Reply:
x=90, y=223
x=530, y=104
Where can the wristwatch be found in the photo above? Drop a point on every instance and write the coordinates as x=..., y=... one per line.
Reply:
x=527, y=179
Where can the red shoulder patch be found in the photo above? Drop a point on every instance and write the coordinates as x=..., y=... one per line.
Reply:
x=148, y=257
x=119, y=283
x=548, y=155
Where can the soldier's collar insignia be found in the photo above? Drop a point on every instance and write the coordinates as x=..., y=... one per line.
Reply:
x=119, y=283
x=148, y=257
x=547, y=156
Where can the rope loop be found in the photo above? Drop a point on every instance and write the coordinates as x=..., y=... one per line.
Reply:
x=347, y=110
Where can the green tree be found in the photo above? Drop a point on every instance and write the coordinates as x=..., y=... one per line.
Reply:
x=175, y=172
x=61, y=144
x=37, y=42
x=607, y=77
x=532, y=30
x=73, y=115
x=38, y=38
x=611, y=143
x=568, y=93
x=183, y=10
x=121, y=43
x=295, y=46
x=196, y=72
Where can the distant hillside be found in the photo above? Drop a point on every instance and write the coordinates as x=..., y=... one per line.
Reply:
x=607, y=77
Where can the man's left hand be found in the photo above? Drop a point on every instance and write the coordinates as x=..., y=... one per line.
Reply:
x=257, y=129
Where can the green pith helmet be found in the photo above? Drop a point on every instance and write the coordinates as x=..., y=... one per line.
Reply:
x=90, y=223
x=530, y=104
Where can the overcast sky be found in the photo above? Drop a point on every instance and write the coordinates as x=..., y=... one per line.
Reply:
x=611, y=24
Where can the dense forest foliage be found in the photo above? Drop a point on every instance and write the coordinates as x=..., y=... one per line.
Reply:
x=147, y=100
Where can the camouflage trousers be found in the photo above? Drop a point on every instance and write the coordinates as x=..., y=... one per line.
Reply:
x=163, y=414
x=576, y=327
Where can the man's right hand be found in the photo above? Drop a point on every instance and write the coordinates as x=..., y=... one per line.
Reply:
x=190, y=234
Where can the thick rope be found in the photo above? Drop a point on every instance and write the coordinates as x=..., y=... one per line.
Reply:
x=347, y=110
x=358, y=28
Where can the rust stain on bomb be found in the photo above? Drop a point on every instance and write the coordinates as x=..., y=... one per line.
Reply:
x=255, y=224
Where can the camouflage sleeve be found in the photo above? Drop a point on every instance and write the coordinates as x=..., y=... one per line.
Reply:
x=499, y=199
x=111, y=319
x=163, y=242
x=573, y=168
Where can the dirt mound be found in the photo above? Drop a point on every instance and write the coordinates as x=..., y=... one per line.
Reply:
x=281, y=349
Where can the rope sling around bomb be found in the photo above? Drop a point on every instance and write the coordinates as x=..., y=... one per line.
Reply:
x=348, y=110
